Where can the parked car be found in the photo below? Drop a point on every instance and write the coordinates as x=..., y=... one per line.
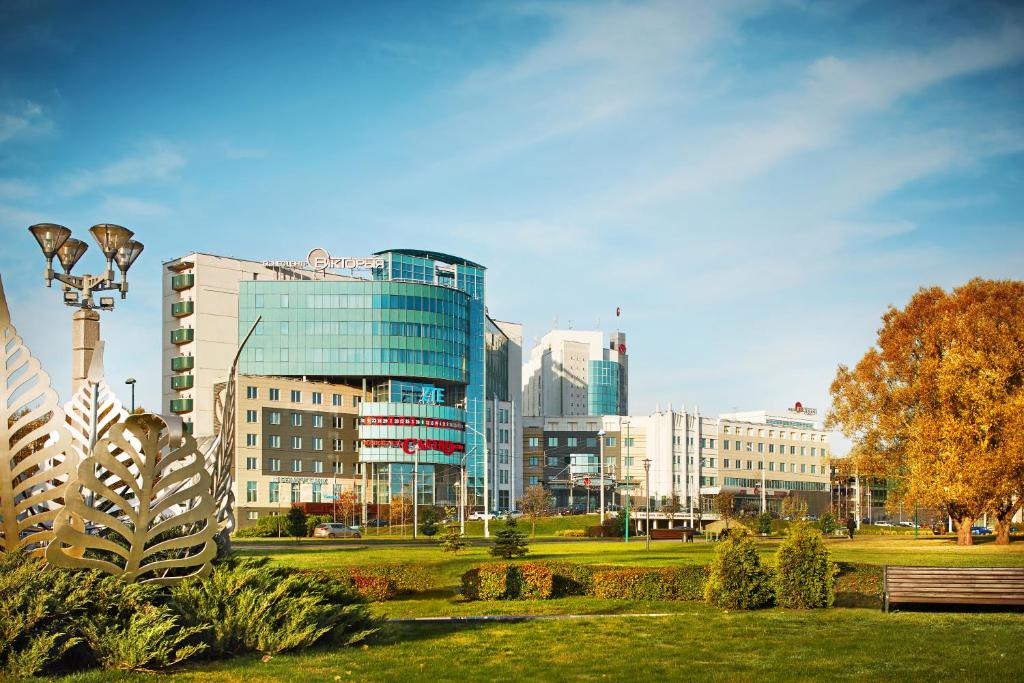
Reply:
x=883, y=523
x=378, y=522
x=980, y=531
x=479, y=515
x=332, y=530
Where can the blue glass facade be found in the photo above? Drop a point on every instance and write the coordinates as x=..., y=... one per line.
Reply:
x=603, y=388
x=413, y=336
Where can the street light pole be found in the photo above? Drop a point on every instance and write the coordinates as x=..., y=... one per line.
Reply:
x=118, y=248
x=647, y=474
x=600, y=443
x=131, y=382
x=629, y=480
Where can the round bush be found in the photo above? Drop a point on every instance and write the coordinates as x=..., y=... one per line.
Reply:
x=805, y=576
x=737, y=579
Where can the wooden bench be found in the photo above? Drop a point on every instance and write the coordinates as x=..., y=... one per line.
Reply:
x=953, y=585
x=671, y=535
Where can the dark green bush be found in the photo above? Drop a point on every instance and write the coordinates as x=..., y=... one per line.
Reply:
x=569, y=578
x=253, y=606
x=265, y=527
x=295, y=522
x=764, y=523
x=510, y=542
x=828, y=523
x=805, y=575
x=596, y=531
x=503, y=581
x=737, y=579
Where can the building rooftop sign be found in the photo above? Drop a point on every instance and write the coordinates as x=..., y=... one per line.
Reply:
x=799, y=408
x=320, y=259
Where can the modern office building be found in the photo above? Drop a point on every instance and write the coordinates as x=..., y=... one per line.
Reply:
x=403, y=331
x=504, y=412
x=692, y=458
x=574, y=373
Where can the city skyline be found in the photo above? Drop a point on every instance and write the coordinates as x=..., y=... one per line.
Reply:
x=752, y=184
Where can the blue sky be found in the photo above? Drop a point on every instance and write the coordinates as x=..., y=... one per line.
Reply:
x=752, y=182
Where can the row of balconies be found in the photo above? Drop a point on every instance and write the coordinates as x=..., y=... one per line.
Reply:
x=184, y=335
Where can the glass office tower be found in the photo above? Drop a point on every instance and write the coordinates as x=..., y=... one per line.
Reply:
x=411, y=338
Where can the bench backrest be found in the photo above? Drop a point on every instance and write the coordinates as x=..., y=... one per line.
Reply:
x=968, y=585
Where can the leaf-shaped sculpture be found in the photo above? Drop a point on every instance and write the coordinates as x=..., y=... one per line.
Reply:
x=148, y=535
x=220, y=456
x=34, y=445
x=93, y=409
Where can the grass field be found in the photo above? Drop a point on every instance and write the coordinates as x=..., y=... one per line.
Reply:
x=693, y=641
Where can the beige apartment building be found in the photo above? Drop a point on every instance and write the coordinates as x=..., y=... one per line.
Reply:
x=296, y=442
x=200, y=328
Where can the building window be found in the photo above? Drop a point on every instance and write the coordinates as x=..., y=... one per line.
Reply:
x=250, y=492
x=250, y=416
x=335, y=399
x=725, y=445
x=274, y=464
x=337, y=444
x=750, y=447
x=610, y=441
x=534, y=481
x=803, y=450
x=814, y=469
x=771, y=448
x=552, y=461
x=284, y=327
x=284, y=301
x=318, y=443
x=803, y=468
x=792, y=450
x=725, y=463
x=274, y=417
x=318, y=467
x=760, y=447
x=571, y=441
x=284, y=355
x=552, y=441
x=296, y=443
x=533, y=442
x=813, y=453
x=760, y=464
x=250, y=463
x=258, y=303
x=591, y=442
x=273, y=441
x=337, y=467
x=317, y=496
x=356, y=400
x=318, y=420
x=338, y=421
x=750, y=464
x=295, y=493
x=250, y=440
x=296, y=465
x=771, y=466
x=275, y=394
x=711, y=442
x=502, y=476
x=736, y=445
x=275, y=492
x=782, y=467
x=296, y=419
x=296, y=396
x=534, y=461
x=318, y=398
x=251, y=392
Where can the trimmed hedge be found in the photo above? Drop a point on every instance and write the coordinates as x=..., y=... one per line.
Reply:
x=541, y=581
x=384, y=581
x=571, y=533
x=660, y=583
x=504, y=581
x=374, y=588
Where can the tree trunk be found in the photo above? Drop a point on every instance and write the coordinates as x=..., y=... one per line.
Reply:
x=963, y=530
x=1004, y=517
x=1002, y=532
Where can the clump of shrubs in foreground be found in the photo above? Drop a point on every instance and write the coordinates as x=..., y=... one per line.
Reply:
x=58, y=620
x=803, y=577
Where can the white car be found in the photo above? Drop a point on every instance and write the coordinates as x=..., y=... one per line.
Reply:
x=479, y=515
x=884, y=523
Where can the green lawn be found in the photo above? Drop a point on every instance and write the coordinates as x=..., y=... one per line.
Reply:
x=698, y=643
x=693, y=642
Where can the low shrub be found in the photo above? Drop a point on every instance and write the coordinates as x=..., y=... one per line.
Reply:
x=764, y=523
x=374, y=588
x=660, y=583
x=253, y=606
x=533, y=581
x=571, y=533
x=569, y=578
x=805, y=575
x=595, y=531
x=487, y=582
x=737, y=579
x=265, y=527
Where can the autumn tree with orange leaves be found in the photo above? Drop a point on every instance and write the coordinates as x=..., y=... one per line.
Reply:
x=938, y=403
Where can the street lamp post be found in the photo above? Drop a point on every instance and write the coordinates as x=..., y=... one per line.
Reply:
x=118, y=248
x=131, y=382
x=600, y=443
x=647, y=475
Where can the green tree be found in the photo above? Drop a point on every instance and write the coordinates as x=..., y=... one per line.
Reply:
x=295, y=524
x=737, y=579
x=452, y=541
x=827, y=523
x=764, y=523
x=794, y=507
x=510, y=541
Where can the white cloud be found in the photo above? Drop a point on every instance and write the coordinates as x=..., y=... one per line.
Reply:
x=157, y=162
x=23, y=120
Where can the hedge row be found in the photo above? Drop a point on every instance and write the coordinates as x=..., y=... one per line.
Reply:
x=541, y=581
x=383, y=582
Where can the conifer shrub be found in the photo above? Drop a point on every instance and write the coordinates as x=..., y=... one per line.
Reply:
x=737, y=579
x=510, y=541
x=805, y=575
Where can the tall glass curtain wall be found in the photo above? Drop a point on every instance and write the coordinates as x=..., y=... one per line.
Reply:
x=603, y=390
x=355, y=329
x=469, y=278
